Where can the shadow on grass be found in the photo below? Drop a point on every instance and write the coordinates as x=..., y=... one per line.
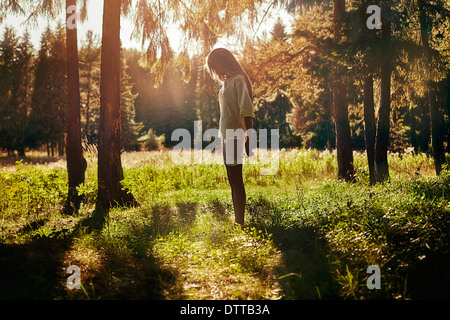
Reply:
x=430, y=279
x=127, y=268
x=36, y=269
x=305, y=273
x=124, y=240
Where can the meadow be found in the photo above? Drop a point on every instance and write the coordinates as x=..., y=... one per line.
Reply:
x=307, y=235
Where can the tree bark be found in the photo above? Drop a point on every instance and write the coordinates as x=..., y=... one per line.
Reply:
x=412, y=121
x=383, y=127
x=340, y=107
x=370, y=127
x=110, y=172
x=437, y=132
x=446, y=89
x=76, y=164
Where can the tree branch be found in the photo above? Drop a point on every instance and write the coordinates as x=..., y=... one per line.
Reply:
x=264, y=16
x=288, y=57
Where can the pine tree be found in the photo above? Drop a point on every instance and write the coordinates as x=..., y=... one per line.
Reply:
x=9, y=115
x=67, y=115
x=278, y=32
x=110, y=172
x=58, y=106
x=90, y=87
x=130, y=129
x=47, y=120
x=207, y=104
x=23, y=74
x=38, y=131
x=76, y=164
x=340, y=104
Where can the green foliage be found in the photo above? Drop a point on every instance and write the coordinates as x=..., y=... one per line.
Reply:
x=167, y=107
x=304, y=74
x=130, y=129
x=29, y=195
x=46, y=123
x=152, y=142
x=273, y=114
x=39, y=190
x=308, y=235
x=33, y=102
x=274, y=66
x=15, y=81
x=89, y=57
x=402, y=226
x=211, y=244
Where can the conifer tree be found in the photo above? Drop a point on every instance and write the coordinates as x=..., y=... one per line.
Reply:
x=90, y=87
x=130, y=129
x=110, y=173
x=36, y=120
x=8, y=93
x=278, y=31
x=24, y=75
x=340, y=104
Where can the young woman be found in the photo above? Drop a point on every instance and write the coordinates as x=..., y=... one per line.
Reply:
x=236, y=116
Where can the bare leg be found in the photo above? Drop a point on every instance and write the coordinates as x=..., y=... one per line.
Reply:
x=234, y=174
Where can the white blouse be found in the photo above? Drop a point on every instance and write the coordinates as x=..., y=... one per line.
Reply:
x=235, y=104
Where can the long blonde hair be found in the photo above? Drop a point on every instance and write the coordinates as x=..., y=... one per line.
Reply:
x=222, y=63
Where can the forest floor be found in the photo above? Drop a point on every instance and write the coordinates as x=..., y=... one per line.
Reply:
x=307, y=235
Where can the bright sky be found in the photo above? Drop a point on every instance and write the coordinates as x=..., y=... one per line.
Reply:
x=94, y=23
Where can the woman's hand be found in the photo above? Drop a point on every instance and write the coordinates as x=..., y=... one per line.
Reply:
x=248, y=125
x=247, y=147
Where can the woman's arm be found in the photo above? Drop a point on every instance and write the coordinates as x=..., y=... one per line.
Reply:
x=248, y=125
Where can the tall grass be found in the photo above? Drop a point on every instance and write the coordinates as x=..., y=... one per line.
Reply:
x=309, y=235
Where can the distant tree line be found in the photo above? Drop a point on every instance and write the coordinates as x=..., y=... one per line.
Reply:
x=295, y=90
x=33, y=103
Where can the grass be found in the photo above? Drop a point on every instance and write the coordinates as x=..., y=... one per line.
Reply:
x=308, y=236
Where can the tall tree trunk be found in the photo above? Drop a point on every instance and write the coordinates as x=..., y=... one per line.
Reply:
x=110, y=173
x=446, y=89
x=370, y=128
x=436, y=117
x=383, y=127
x=412, y=121
x=437, y=132
x=76, y=164
x=340, y=107
x=88, y=105
x=425, y=128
